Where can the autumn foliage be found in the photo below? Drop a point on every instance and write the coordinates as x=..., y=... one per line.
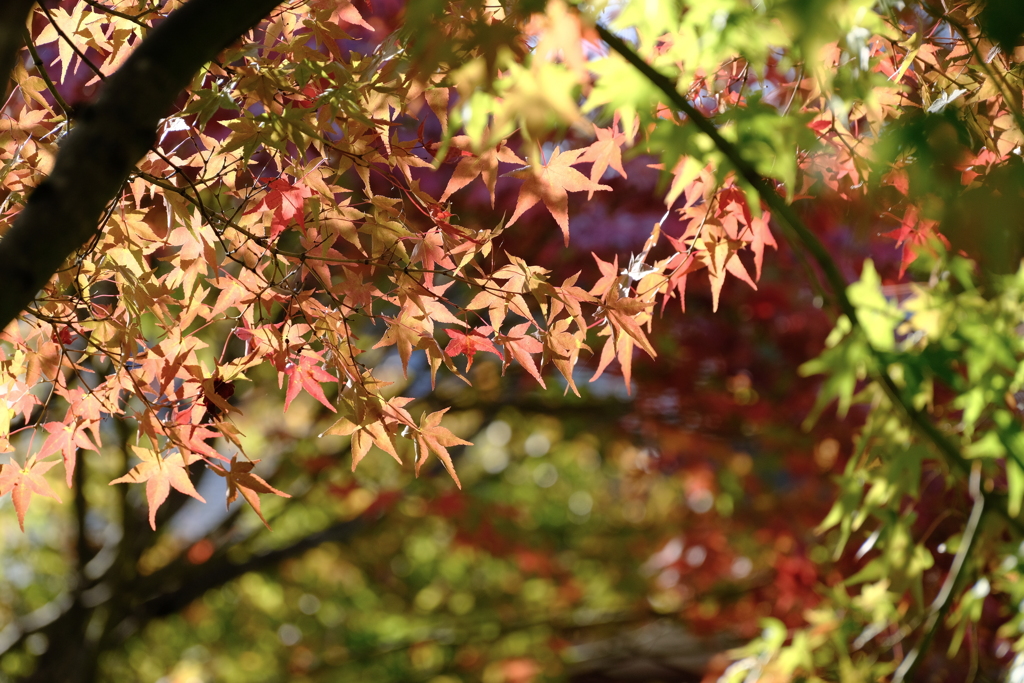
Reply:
x=356, y=207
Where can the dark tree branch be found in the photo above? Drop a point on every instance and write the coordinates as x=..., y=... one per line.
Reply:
x=13, y=16
x=109, y=137
x=218, y=571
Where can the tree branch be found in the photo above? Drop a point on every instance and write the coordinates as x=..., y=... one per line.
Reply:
x=134, y=18
x=109, y=137
x=800, y=233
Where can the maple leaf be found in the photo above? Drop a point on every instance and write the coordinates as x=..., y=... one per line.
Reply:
x=682, y=264
x=364, y=436
x=67, y=439
x=432, y=437
x=216, y=392
x=563, y=349
x=342, y=11
x=913, y=235
x=85, y=406
x=192, y=438
x=569, y=297
x=21, y=483
x=307, y=374
x=605, y=152
x=160, y=475
x=562, y=35
x=472, y=165
x=370, y=419
x=610, y=275
x=624, y=333
x=468, y=343
x=429, y=250
x=378, y=433
x=241, y=480
x=722, y=259
x=761, y=237
x=406, y=333
x=621, y=312
x=520, y=346
x=499, y=300
x=618, y=346
x=286, y=201
x=550, y=184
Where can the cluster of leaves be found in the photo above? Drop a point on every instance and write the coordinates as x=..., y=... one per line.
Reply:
x=294, y=218
x=245, y=228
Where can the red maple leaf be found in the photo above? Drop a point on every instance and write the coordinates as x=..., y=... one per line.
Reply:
x=23, y=482
x=307, y=374
x=286, y=201
x=468, y=343
x=914, y=234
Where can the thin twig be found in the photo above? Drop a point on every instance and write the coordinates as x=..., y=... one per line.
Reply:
x=67, y=39
x=50, y=85
x=135, y=19
x=796, y=89
x=942, y=601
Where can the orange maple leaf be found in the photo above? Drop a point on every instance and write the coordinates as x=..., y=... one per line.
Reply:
x=431, y=436
x=242, y=480
x=605, y=152
x=625, y=333
x=551, y=184
x=562, y=348
x=23, y=482
x=472, y=165
x=160, y=475
x=520, y=345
